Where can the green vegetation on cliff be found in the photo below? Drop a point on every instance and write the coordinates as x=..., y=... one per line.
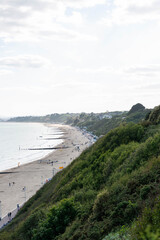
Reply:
x=97, y=123
x=110, y=192
x=154, y=116
x=102, y=126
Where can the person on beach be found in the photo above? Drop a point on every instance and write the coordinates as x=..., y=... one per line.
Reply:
x=18, y=207
x=9, y=216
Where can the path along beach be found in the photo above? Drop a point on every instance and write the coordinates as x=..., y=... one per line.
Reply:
x=19, y=184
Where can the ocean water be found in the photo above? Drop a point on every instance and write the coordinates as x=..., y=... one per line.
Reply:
x=16, y=138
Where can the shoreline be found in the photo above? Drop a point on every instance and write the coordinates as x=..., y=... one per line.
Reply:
x=15, y=146
x=34, y=174
x=59, y=127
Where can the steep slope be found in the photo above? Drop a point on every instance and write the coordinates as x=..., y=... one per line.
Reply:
x=107, y=187
x=154, y=116
x=102, y=126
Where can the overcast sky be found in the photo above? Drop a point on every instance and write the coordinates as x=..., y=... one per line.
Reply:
x=78, y=55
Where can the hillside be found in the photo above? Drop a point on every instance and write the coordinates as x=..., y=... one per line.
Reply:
x=102, y=193
x=75, y=119
x=154, y=116
x=97, y=123
x=102, y=126
x=54, y=118
x=136, y=108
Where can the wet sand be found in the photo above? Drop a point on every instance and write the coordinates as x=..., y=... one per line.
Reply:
x=19, y=184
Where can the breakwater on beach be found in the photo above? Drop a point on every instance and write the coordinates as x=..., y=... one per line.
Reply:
x=15, y=138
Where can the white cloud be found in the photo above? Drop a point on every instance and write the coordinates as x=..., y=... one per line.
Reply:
x=30, y=61
x=40, y=19
x=132, y=11
x=133, y=72
x=150, y=70
x=143, y=70
x=74, y=19
x=4, y=72
x=105, y=69
x=78, y=4
x=150, y=87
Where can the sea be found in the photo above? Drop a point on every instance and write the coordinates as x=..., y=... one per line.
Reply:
x=17, y=138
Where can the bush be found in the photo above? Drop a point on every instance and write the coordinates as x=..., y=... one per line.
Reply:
x=154, y=116
x=123, y=135
x=100, y=204
x=57, y=220
x=147, y=227
x=31, y=222
x=145, y=191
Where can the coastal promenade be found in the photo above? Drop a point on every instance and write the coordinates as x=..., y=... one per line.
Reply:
x=8, y=218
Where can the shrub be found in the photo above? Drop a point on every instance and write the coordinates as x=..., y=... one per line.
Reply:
x=154, y=116
x=31, y=222
x=57, y=220
x=144, y=191
x=100, y=204
x=147, y=227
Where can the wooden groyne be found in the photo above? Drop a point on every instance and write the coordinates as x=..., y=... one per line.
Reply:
x=7, y=172
x=53, y=138
x=56, y=134
x=46, y=148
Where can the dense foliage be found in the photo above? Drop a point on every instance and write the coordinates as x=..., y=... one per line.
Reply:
x=102, y=126
x=154, y=116
x=148, y=225
x=101, y=194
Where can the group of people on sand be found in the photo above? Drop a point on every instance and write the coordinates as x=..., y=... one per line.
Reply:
x=11, y=184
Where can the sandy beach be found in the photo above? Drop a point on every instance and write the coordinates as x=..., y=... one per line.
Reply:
x=19, y=184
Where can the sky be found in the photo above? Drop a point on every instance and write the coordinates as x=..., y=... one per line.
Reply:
x=78, y=55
